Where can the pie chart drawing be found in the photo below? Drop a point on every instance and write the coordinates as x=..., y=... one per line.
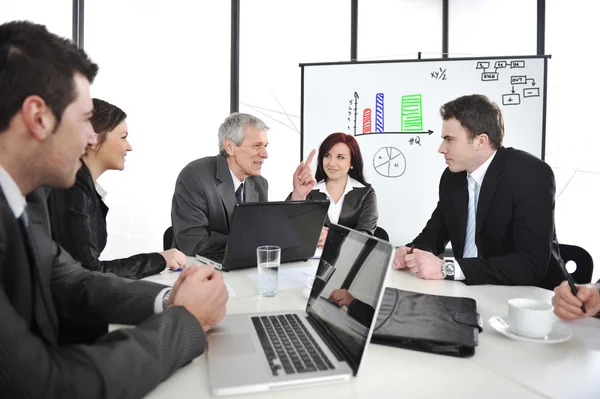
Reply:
x=389, y=162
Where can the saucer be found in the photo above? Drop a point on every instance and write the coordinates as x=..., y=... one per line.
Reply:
x=559, y=333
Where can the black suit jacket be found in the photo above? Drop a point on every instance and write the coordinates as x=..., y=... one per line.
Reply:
x=203, y=204
x=359, y=211
x=78, y=220
x=40, y=286
x=514, y=222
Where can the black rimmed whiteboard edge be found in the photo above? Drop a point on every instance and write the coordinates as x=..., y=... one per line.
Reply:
x=495, y=57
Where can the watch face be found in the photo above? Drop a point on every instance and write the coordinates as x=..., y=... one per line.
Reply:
x=449, y=268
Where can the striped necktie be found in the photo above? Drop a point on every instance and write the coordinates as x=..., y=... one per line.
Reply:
x=470, y=250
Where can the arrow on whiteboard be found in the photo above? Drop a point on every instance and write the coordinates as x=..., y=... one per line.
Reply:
x=429, y=132
x=355, y=110
x=532, y=81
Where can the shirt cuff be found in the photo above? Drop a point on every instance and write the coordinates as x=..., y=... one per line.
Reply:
x=458, y=273
x=158, y=302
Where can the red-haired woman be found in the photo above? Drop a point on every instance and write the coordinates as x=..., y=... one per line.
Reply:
x=340, y=180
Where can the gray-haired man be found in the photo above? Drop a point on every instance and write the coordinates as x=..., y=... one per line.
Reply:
x=207, y=189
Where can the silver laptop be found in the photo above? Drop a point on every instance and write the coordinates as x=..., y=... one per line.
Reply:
x=325, y=343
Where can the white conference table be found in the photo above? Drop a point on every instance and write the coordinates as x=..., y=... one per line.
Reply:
x=501, y=367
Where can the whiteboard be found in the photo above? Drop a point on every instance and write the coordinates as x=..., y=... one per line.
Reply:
x=392, y=108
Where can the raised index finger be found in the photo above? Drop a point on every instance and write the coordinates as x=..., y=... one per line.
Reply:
x=310, y=157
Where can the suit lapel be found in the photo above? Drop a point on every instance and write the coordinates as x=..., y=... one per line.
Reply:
x=488, y=188
x=461, y=203
x=41, y=269
x=349, y=206
x=250, y=193
x=225, y=185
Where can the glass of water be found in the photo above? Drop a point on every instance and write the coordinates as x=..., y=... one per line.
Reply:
x=267, y=259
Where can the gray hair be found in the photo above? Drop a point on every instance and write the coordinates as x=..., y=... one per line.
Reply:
x=233, y=128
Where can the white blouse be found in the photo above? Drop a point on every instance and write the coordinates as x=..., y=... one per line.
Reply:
x=335, y=209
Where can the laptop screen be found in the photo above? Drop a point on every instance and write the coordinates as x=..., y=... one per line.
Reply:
x=347, y=289
x=294, y=226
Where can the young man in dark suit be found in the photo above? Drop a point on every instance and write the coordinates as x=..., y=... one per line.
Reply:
x=45, y=108
x=496, y=206
x=207, y=189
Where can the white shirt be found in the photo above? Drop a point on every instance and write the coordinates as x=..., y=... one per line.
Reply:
x=478, y=175
x=13, y=195
x=236, y=183
x=17, y=204
x=100, y=190
x=335, y=209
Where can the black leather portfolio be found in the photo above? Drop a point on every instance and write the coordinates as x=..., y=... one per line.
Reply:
x=430, y=323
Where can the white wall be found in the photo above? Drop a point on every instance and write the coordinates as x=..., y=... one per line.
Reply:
x=57, y=15
x=393, y=29
x=270, y=51
x=167, y=65
x=572, y=122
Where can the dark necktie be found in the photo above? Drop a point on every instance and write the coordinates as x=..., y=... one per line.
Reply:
x=238, y=194
x=24, y=227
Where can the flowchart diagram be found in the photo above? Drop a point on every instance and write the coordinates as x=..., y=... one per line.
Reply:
x=512, y=98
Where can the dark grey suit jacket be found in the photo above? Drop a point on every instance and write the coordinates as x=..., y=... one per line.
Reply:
x=203, y=203
x=43, y=284
x=359, y=211
x=514, y=222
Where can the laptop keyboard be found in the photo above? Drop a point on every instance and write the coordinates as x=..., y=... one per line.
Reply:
x=288, y=345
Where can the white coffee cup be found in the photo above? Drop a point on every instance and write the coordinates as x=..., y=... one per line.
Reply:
x=529, y=317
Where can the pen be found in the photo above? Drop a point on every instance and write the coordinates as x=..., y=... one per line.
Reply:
x=569, y=278
x=411, y=249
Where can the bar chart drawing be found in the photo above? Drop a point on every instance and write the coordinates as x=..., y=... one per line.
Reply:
x=367, y=120
x=372, y=118
x=389, y=162
x=379, y=123
x=412, y=113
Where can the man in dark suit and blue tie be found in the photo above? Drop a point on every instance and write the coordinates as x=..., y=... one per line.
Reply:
x=496, y=206
x=45, y=107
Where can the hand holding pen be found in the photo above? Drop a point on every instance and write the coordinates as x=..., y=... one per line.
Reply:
x=570, y=307
x=568, y=277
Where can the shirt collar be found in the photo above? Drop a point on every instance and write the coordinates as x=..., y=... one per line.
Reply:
x=351, y=184
x=100, y=190
x=236, y=182
x=479, y=173
x=13, y=195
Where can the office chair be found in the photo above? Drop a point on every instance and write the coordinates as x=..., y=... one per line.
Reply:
x=381, y=234
x=168, y=238
x=583, y=260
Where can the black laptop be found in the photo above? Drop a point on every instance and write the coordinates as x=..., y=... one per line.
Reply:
x=294, y=226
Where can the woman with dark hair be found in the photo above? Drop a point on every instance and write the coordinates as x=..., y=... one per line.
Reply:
x=78, y=214
x=340, y=179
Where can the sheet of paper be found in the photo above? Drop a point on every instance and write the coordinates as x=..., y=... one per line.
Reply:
x=318, y=253
x=294, y=277
x=170, y=282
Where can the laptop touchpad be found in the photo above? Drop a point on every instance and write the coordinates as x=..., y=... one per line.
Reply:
x=233, y=344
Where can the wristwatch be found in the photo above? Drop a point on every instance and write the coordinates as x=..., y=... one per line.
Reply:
x=448, y=269
x=165, y=301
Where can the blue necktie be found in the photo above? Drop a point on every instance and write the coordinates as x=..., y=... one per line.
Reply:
x=470, y=250
x=238, y=194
